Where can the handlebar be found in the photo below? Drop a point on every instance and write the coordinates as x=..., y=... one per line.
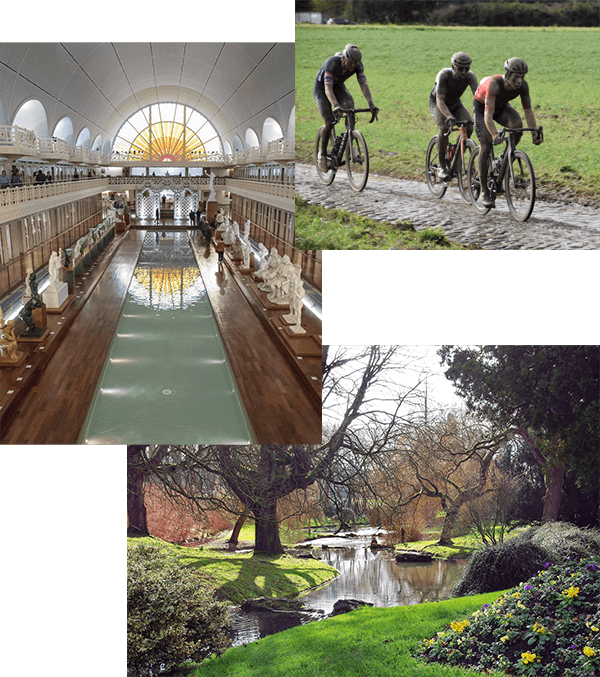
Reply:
x=514, y=130
x=360, y=110
x=457, y=123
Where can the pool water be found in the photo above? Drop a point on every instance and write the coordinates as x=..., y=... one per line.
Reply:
x=167, y=379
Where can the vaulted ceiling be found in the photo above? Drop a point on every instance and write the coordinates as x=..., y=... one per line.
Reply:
x=99, y=85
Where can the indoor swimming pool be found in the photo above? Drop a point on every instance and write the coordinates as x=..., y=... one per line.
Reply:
x=167, y=379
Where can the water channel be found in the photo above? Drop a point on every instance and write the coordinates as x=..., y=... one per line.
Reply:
x=371, y=575
x=167, y=378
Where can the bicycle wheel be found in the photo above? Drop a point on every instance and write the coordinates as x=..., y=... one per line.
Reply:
x=328, y=176
x=436, y=186
x=474, y=184
x=357, y=160
x=520, y=186
x=462, y=168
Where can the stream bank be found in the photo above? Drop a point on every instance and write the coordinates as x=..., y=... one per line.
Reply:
x=368, y=574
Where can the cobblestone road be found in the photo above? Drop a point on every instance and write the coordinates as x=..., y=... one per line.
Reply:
x=551, y=226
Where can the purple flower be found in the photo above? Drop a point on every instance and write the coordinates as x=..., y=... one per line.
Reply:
x=527, y=587
x=548, y=564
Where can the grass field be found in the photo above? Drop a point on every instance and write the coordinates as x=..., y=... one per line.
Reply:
x=366, y=643
x=401, y=63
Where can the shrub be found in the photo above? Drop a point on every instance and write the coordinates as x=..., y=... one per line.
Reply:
x=563, y=541
x=547, y=627
x=171, y=616
x=500, y=566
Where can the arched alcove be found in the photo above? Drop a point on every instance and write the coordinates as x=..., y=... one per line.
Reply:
x=271, y=131
x=237, y=143
x=32, y=115
x=64, y=130
x=84, y=138
x=97, y=145
x=227, y=147
x=251, y=138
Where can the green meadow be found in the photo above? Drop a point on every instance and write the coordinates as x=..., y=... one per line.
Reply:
x=401, y=63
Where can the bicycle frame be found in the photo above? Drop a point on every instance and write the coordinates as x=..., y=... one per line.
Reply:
x=462, y=140
x=348, y=115
x=507, y=154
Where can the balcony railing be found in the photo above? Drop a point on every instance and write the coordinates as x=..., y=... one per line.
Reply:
x=17, y=142
x=53, y=149
x=16, y=203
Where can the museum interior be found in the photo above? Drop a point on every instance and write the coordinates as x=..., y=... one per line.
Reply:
x=150, y=289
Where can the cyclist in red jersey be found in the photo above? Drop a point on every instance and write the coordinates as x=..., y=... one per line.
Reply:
x=491, y=104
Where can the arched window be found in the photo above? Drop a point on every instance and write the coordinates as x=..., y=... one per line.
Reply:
x=31, y=115
x=271, y=131
x=64, y=130
x=251, y=138
x=291, y=132
x=168, y=132
x=84, y=138
x=237, y=143
x=97, y=145
x=227, y=147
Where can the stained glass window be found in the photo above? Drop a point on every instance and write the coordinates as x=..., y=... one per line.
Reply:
x=168, y=132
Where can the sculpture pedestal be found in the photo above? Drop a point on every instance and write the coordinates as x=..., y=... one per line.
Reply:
x=9, y=363
x=54, y=297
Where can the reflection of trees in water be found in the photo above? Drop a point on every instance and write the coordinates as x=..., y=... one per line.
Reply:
x=383, y=581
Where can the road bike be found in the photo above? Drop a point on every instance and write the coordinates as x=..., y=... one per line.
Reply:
x=512, y=168
x=350, y=143
x=457, y=159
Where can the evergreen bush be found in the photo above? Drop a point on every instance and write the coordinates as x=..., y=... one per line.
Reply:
x=563, y=541
x=501, y=566
x=171, y=616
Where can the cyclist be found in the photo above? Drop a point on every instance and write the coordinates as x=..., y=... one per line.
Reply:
x=491, y=104
x=445, y=105
x=330, y=91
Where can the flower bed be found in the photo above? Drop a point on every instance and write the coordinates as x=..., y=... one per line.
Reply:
x=549, y=625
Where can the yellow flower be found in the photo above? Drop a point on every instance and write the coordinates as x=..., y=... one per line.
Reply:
x=539, y=628
x=588, y=651
x=528, y=657
x=504, y=639
x=571, y=592
x=459, y=626
x=594, y=628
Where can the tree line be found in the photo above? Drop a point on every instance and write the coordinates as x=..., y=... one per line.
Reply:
x=524, y=447
x=459, y=12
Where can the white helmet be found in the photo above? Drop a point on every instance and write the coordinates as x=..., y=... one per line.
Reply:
x=352, y=53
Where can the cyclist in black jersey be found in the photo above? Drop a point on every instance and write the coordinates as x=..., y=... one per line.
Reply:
x=491, y=104
x=330, y=91
x=445, y=105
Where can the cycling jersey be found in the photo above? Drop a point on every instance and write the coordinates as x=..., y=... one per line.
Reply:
x=333, y=73
x=451, y=88
x=503, y=96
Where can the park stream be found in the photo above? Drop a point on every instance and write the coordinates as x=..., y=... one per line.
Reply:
x=368, y=574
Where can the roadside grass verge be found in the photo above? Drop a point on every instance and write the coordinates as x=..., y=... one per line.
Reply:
x=320, y=228
x=238, y=576
x=369, y=642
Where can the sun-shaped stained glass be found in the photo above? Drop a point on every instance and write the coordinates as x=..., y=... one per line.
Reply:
x=168, y=132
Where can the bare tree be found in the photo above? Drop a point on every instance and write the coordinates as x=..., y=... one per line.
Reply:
x=449, y=460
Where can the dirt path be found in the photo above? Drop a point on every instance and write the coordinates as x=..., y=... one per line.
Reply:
x=553, y=225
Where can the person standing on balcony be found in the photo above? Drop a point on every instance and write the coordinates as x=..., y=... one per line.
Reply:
x=4, y=180
x=15, y=179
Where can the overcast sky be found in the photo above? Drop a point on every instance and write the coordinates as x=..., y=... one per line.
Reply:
x=417, y=365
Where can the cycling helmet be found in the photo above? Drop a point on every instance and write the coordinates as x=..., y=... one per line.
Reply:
x=461, y=59
x=352, y=53
x=515, y=65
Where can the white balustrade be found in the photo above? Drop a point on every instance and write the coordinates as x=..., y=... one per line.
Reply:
x=281, y=149
x=32, y=198
x=16, y=142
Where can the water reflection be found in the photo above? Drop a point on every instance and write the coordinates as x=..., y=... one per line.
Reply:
x=374, y=576
x=166, y=276
x=370, y=575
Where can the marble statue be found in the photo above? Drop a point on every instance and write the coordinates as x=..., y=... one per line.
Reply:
x=295, y=299
x=280, y=283
x=54, y=266
x=263, y=254
x=27, y=295
x=270, y=270
x=236, y=246
x=57, y=291
x=77, y=251
x=245, y=244
x=228, y=232
x=213, y=196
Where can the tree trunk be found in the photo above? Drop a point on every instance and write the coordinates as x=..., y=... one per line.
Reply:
x=554, y=483
x=449, y=522
x=136, y=510
x=235, y=534
x=266, y=530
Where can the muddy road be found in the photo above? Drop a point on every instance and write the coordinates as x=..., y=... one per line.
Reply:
x=553, y=225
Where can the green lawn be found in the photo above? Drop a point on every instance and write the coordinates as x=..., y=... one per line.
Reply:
x=239, y=576
x=370, y=642
x=401, y=63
